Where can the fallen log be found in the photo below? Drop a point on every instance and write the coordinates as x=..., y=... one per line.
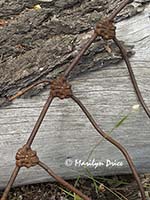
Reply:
x=40, y=44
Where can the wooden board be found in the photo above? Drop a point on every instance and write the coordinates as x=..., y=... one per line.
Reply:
x=66, y=135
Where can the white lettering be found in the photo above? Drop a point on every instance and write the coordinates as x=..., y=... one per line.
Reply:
x=113, y=163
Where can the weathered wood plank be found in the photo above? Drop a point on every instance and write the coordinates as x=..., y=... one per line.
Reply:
x=66, y=133
x=40, y=44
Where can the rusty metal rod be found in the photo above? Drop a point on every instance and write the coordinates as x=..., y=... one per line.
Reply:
x=91, y=40
x=63, y=182
x=78, y=57
x=114, y=142
x=10, y=183
x=39, y=121
x=117, y=10
x=44, y=111
x=23, y=91
x=132, y=76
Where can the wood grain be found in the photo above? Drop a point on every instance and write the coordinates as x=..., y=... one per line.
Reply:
x=67, y=134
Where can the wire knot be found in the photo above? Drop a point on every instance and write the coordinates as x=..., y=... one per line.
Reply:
x=60, y=88
x=26, y=157
x=106, y=29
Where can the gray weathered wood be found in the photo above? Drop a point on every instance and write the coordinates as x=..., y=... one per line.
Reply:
x=67, y=134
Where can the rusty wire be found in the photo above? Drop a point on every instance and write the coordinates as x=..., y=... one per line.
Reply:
x=132, y=76
x=61, y=88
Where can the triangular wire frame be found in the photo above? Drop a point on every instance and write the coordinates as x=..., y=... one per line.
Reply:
x=60, y=88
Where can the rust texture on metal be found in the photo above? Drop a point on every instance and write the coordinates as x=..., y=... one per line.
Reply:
x=106, y=29
x=26, y=157
x=20, y=93
x=114, y=142
x=132, y=76
x=62, y=181
x=61, y=88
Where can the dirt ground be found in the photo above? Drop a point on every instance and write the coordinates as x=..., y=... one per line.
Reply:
x=124, y=186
